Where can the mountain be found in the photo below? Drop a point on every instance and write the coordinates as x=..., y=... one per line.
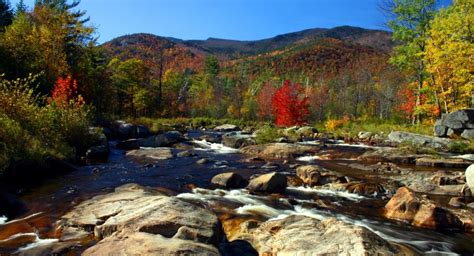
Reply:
x=315, y=46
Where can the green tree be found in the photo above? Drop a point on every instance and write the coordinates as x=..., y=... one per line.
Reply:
x=410, y=26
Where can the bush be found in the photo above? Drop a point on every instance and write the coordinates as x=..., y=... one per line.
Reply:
x=333, y=124
x=461, y=147
x=267, y=134
x=31, y=131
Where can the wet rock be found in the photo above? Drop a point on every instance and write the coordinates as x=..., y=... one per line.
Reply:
x=270, y=183
x=140, y=243
x=211, y=139
x=166, y=139
x=129, y=144
x=152, y=155
x=300, y=235
x=443, y=179
x=421, y=212
x=419, y=140
x=365, y=188
x=98, y=152
x=314, y=175
x=456, y=202
x=470, y=177
x=387, y=154
x=237, y=140
x=132, y=208
x=18, y=240
x=226, y=128
x=278, y=150
x=123, y=130
x=203, y=161
x=186, y=153
x=442, y=162
x=228, y=180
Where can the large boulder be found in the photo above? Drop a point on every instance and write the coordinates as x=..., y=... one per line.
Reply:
x=271, y=183
x=470, y=177
x=301, y=235
x=228, y=180
x=150, y=155
x=456, y=123
x=421, y=212
x=166, y=139
x=237, y=140
x=418, y=140
x=140, y=243
x=226, y=128
x=132, y=208
x=314, y=175
x=123, y=130
x=278, y=150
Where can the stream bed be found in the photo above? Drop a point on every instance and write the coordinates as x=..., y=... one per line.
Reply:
x=183, y=177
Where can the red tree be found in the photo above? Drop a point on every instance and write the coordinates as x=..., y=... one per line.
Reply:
x=289, y=106
x=65, y=92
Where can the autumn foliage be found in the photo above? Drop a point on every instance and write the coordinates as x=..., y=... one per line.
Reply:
x=289, y=105
x=65, y=92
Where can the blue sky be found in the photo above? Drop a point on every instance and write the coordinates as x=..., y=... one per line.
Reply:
x=230, y=19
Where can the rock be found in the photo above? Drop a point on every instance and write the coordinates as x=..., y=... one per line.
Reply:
x=226, y=128
x=203, y=161
x=123, y=130
x=129, y=144
x=271, y=183
x=468, y=134
x=365, y=188
x=237, y=140
x=228, y=180
x=460, y=122
x=211, y=138
x=443, y=179
x=186, y=153
x=456, y=202
x=307, y=132
x=278, y=150
x=140, y=243
x=386, y=154
x=301, y=235
x=421, y=212
x=132, y=208
x=419, y=140
x=314, y=175
x=166, y=139
x=146, y=156
x=442, y=162
x=470, y=205
x=365, y=135
x=98, y=152
x=470, y=177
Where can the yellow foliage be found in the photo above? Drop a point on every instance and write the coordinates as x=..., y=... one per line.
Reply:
x=333, y=124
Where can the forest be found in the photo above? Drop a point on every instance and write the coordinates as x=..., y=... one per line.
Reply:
x=57, y=80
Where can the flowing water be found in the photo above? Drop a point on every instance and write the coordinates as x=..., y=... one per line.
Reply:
x=183, y=177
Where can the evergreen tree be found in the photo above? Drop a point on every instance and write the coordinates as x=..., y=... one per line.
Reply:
x=6, y=14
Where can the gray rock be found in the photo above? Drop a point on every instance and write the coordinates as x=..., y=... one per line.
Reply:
x=278, y=150
x=470, y=177
x=460, y=119
x=314, y=175
x=228, y=180
x=100, y=152
x=226, y=128
x=301, y=235
x=307, y=132
x=419, y=140
x=440, y=130
x=237, y=140
x=166, y=139
x=468, y=134
x=186, y=153
x=203, y=161
x=141, y=243
x=129, y=144
x=365, y=135
x=271, y=183
x=132, y=209
x=150, y=155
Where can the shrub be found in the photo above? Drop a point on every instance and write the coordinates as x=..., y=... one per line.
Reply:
x=31, y=131
x=267, y=134
x=333, y=124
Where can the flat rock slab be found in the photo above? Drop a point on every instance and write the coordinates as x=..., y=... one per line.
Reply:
x=442, y=162
x=301, y=235
x=141, y=243
x=150, y=155
x=278, y=150
x=132, y=208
